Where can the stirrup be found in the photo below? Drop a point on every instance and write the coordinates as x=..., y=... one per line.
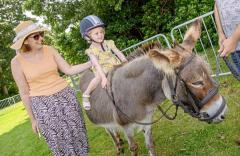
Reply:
x=86, y=102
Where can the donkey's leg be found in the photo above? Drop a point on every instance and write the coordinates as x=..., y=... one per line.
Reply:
x=117, y=140
x=133, y=147
x=149, y=140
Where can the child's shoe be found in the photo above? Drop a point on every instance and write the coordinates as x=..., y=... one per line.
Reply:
x=86, y=102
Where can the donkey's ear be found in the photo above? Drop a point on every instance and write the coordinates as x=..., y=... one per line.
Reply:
x=157, y=55
x=165, y=60
x=192, y=35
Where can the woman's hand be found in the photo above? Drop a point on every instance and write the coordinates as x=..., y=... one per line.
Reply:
x=35, y=127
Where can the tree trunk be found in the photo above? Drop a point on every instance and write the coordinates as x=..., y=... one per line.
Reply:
x=5, y=90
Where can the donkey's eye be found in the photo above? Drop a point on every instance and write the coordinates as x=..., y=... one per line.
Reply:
x=197, y=83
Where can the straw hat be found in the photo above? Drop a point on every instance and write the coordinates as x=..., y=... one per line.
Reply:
x=23, y=30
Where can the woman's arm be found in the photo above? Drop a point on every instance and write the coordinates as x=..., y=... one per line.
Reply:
x=23, y=91
x=68, y=69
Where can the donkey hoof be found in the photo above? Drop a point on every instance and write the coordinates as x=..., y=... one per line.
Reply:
x=121, y=142
x=120, y=152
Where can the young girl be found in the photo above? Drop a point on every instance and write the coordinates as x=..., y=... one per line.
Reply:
x=102, y=53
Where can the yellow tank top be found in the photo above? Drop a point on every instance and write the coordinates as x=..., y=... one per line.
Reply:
x=42, y=77
x=106, y=59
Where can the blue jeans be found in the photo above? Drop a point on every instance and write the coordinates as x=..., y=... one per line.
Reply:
x=236, y=59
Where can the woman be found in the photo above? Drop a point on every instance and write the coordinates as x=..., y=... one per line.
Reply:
x=51, y=104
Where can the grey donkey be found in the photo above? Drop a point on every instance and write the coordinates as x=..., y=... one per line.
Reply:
x=139, y=86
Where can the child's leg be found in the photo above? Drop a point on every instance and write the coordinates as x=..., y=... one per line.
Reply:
x=86, y=95
x=93, y=84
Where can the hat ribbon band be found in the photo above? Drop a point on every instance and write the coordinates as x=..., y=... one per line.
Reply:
x=25, y=31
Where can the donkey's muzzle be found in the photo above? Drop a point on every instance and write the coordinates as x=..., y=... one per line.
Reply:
x=216, y=112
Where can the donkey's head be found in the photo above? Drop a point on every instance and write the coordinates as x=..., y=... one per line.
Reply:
x=194, y=89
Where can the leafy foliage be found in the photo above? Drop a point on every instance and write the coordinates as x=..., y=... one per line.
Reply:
x=11, y=13
x=127, y=22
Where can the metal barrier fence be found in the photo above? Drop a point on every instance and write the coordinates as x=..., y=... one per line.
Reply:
x=9, y=101
x=160, y=38
x=207, y=44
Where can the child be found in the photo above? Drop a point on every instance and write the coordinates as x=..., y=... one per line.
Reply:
x=101, y=53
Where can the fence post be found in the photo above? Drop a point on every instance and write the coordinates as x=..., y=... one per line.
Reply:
x=14, y=99
x=74, y=84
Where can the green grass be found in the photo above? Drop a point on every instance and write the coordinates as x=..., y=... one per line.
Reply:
x=181, y=137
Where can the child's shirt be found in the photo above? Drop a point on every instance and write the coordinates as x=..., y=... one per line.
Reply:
x=229, y=13
x=106, y=59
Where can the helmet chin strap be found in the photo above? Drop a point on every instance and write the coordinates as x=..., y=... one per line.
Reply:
x=101, y=43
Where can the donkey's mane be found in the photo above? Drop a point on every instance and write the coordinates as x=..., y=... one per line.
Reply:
x=143, y=50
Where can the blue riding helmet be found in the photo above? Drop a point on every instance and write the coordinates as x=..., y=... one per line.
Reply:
x=88, y=23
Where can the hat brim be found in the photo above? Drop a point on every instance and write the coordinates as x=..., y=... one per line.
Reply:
x=18, y=44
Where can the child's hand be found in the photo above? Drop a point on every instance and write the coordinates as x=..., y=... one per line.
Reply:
x=104, y=82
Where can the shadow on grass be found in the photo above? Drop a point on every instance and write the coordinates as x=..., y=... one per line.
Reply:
x=181, y=137
x=21, y=141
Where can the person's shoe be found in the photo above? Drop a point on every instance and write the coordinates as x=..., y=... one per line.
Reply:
x=86, y=102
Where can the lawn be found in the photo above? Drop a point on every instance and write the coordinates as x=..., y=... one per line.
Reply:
x=183, y=136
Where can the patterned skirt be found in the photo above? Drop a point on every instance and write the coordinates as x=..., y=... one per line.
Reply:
x=61, y=122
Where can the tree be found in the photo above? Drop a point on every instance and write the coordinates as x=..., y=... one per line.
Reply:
x=11, y=14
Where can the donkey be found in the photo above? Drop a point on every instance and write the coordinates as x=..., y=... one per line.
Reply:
x=139, y=86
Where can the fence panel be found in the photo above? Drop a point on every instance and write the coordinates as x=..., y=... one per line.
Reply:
x=9, y=101
x=207, y=45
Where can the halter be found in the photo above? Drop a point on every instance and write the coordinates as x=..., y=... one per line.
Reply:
x=195, y=102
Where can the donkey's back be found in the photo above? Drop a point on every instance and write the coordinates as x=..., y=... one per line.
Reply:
x=133, y=89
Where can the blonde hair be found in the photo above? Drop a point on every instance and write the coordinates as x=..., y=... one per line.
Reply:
x=89, y=33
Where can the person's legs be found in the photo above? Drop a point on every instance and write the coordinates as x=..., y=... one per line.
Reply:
x=61, y=123
x=236, y=59
x=86, y=95
x=74, y=138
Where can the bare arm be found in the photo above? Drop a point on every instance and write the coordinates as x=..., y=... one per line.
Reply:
x=23, y=91
x=221, y=35
x=68, y=69
x=116, y=51
x=236, y=34
x=218, y=21
x=230, y=44
x=99, y=69
x=227, y=45
x=119, y=54
x=96, y=65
